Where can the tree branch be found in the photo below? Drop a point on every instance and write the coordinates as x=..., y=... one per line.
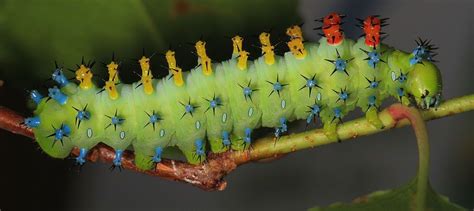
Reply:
x=209, y=175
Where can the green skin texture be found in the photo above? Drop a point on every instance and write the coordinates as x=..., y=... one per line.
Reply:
x=236, y=112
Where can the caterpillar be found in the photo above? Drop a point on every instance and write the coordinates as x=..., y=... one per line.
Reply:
x=216, y=106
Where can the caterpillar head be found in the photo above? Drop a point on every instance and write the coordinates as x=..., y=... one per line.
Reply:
x=425, y=85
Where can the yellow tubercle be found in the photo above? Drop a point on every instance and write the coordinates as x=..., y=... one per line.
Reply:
x=173, y=68
x=204, y=60
x=201, y=49
x=295, y=32
x=111, y=89
x=237, y=44
x=84, y=76
x=144, y=65
x=264, y=38
x=178, y=76
x=206, y=66
x=171, y=59
x=268, y=54
x=242, y=60
x=297, y=48
x=267, y=48
x=147, y=82
x=112, y=68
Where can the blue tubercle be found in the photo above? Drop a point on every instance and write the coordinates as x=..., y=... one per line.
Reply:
x=310, y=83
x=83, y=115
x=337, y=112
x=340, y=64
x=374, y=84
x=116, y=120
x=36, y=96
x=199, y=147
x=310, y=118
x=118, y=157
x=189, y=108
x=214, y=103
x=283, y=127
x=61, y=132
x=154, y=118
x=248, y=136
x=343, y=95
x=373, y=59
x=157, y=157
x=59, y=77
x=57, y=95
x=313, y=111
x=415, y=60
x=247, y=92
x=81, y=159
x=372, y=100
x=225, y=138
x=277, y=86
x=402, y=78
x=32, y=122
x=400, y=92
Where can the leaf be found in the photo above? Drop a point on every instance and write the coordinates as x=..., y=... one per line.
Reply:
x=401, y=198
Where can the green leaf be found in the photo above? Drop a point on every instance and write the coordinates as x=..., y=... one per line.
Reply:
x=401, y=198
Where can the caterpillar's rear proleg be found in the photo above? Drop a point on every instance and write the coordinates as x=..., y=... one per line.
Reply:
x=372, y=117
x=330, y=130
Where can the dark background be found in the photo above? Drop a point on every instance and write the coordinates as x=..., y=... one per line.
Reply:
x=35, y=33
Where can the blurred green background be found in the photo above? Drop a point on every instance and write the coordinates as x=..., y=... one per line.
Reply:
x=35, y=33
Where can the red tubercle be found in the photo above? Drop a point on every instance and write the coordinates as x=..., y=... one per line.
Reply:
x=334, y=38
x=332, y=19
x=372, y=26
x=332, y=28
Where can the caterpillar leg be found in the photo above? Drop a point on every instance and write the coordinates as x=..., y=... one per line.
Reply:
x=143, y=161
x=222, y=144
x=196, y=155
x=244, y=142
x=372, y=117
x=330, y=130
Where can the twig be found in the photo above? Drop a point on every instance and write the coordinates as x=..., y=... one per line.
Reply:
x=209, y=176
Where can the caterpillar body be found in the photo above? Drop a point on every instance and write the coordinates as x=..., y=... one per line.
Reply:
x=216, y=106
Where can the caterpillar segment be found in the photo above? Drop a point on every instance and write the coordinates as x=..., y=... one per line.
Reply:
x=201, y=110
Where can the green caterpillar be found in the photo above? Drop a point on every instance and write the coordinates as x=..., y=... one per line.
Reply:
x=216, y=106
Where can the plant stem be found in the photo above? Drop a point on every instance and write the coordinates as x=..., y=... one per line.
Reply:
x=209, y=175
x=398, y=113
